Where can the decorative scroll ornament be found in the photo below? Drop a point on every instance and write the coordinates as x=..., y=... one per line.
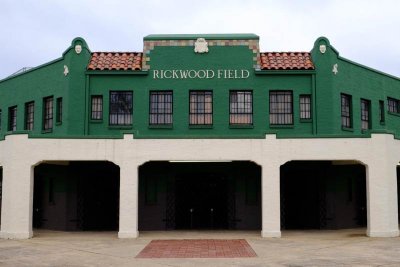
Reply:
x=78, y=49
x=335, y=69
x=201, y=46
x=66, y=70
x=322, y=49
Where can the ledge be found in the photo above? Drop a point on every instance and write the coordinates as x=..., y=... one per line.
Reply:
x=120, y=127
x=347, y=129
x=281, y=126
x=161, y=126
x=305, y=120
x=241, y=126
x=201, y=126
x=394, y=114
x=95, y=121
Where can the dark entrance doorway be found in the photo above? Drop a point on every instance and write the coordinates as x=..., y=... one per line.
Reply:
x=201, y=202
x=71, y=196
x=199, y=195
x=323, y=195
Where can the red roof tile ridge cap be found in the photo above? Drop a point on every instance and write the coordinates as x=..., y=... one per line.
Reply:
x=114, y=52
x=287, y=52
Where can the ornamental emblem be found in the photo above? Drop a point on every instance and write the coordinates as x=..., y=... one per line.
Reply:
x=78, y=49
x=201, y=46
x=335, y=69
x=66, y=70
x=322, y=49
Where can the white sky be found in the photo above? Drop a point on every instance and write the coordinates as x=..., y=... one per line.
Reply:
x=33, y=32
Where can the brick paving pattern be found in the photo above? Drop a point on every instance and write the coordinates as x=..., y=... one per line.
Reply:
x=198, y=248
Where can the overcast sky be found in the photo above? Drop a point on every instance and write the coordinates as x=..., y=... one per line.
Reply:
x=34, y=32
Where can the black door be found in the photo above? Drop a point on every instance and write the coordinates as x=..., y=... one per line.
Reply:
x=201, y=202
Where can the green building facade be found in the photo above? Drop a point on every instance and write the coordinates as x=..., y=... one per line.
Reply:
x=211, y=108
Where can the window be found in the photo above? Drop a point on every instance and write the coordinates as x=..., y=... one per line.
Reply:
x=305, y=107
x=393, y=105
x=12, y=118
x=48, y=113
x=29, y=115
x=97, y=107
x=241, y=107
x=121, y=107
x=381, y=111
x=59, y=110
x=281, y=107
x=346, y=111
x=200, y=108
x=161, y=107
x=365, y=114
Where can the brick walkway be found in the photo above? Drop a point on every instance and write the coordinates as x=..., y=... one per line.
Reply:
x=197, y=248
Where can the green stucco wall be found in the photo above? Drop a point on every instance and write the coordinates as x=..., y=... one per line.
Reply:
x=324, y=86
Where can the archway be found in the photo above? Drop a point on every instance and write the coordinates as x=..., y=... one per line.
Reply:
x=199, y=195
x=323, y=195
x=76, y=195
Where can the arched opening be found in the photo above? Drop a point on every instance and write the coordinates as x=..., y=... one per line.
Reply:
x=323, y=195
x=199, y=195
x=76, y=196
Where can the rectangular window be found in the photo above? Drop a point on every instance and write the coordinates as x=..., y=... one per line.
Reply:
x=121, y=107
x=281, y=107
x=59, y=110
x=97, y=107
x=48, y=113
x=12, y=118
x=201, y=106
x=29, y=115
x=161, y=107
x=393, y=105
x=241, y=107
x=346, y=110
x=365, y=114
x=381, y=111
x=305, y=107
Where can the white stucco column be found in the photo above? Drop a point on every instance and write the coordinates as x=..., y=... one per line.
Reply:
x=382, y=198
x=128, y=199
x=270, y=184
x=16, y=212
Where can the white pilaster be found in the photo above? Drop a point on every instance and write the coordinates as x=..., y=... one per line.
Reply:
x=270, y=200
x=382, y=199
x=16, y=212
x=128, y=208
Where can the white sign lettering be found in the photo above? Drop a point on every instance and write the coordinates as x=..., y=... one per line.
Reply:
x=201, y=74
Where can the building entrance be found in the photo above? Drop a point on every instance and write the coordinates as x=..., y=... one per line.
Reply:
x=323, y=195
x=199, y=195
x=77, y=195
x=201, y=202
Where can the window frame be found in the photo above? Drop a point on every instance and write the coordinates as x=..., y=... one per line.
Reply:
x=288, y=117
x=29, y=118
x=59, y=111
x=307, y=113
x=195, y=113
x=395, y=108
x=348, y=117
x=234, y=116
x=365, y=118
x=167, y=117
x=127, y=116
x=48, y=113
x=99, y=105
x=12, y=118
x=381, y=112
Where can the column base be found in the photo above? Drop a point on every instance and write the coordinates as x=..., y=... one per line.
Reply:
x=15, y=235
x=394, y=233
x=266, y=234
x=128, y=234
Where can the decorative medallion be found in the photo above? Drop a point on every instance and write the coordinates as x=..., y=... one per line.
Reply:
x=78, y=49
x=201, y=46
x=66, y=70
x=322, y=49
x=335, y=69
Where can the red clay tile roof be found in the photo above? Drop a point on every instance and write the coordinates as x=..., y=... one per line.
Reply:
x=286, y=61
x=115, y=61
